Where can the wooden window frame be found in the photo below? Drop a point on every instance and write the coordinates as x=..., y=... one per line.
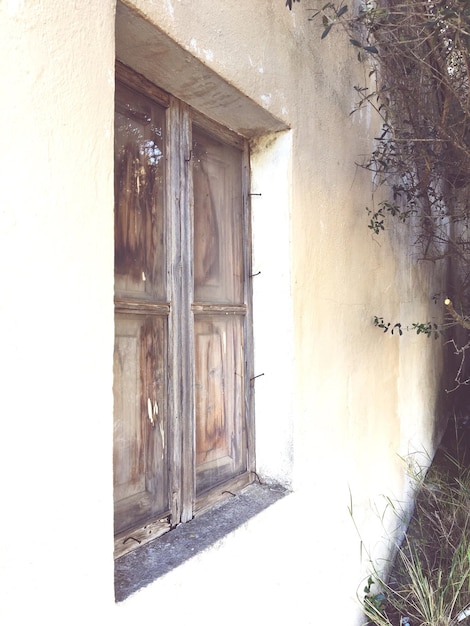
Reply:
x=184, y=504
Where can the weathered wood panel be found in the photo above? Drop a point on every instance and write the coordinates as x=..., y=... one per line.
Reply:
x=140, y=267
x=140, y=421
x=218, y=220
x=220, y=400
x=127, y=541
x=222, y=492
x=141, y=437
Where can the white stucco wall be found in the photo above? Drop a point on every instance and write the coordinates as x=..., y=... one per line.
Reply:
x=56, y=308
x=338, y=402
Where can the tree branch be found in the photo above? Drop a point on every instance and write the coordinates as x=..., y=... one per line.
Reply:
x=460, y=319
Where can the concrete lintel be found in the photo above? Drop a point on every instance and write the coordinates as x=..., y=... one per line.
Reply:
x=145, y=48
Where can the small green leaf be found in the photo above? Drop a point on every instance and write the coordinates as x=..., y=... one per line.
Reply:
x=326, y=31
x=372, y=49
x=342, y=11
x=356, y=43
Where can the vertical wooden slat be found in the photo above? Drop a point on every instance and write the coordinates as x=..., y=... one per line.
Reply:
x=187, y=340
x=248, y=297
x=175, y=294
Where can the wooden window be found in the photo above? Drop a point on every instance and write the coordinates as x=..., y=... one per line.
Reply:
x=183, y=424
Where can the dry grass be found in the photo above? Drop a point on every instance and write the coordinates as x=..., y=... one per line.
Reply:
x=430, y=581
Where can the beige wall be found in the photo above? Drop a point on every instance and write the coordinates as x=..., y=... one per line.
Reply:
x=339, y=401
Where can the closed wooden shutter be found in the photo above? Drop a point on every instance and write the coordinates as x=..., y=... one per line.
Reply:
x=183, y=427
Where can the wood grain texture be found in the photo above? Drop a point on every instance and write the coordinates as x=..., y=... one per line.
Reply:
x=184, y=434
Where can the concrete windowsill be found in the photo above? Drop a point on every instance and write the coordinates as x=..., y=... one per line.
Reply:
x=139, y=568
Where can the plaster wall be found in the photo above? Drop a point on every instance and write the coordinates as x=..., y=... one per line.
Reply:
x=338, y=402
x=56, y=308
